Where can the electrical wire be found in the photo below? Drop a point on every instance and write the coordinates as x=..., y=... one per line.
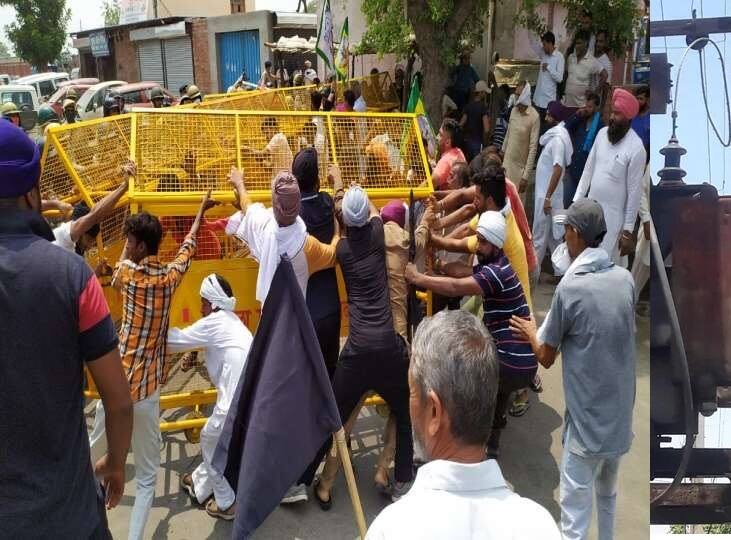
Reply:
x=708, y=131
x=662, y=16
x=724, y=142
x=659, y=263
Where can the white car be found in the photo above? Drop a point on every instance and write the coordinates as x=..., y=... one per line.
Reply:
x=91, y=102
x=23, y=95
x=45, y=83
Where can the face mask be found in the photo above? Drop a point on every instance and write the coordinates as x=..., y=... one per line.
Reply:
x=561, y=259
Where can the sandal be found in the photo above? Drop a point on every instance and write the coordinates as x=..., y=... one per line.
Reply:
x=324, y=505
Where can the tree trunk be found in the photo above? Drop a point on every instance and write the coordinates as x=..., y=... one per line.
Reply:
x=435, y=73
x=431, y=41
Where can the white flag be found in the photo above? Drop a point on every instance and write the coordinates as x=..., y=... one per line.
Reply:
x=324, y=47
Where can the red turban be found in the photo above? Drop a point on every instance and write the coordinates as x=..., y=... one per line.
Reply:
x=625, y=103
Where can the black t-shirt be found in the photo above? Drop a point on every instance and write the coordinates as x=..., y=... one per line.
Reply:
x=53, y=318
x=362, y=259
x=317, y=211
x=475, y=110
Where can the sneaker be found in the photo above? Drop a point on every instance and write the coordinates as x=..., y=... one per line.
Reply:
x=536, y=385
x=399, y=489
x=213, y=510
x=519, y=408
x=297, y=493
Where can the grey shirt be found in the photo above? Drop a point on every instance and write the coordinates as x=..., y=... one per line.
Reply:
x=591, y=321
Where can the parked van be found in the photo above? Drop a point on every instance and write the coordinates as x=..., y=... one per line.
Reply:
x=44, y=83
x=23, y=95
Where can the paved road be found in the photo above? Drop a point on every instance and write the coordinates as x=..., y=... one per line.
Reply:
x=531, y=450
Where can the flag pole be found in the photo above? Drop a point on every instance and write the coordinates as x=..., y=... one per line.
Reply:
x=342, y=446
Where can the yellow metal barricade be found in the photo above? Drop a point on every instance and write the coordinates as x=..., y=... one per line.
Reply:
x=181, y=153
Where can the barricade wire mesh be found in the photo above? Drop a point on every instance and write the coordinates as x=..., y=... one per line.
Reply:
x=180, y=151
x=377, y=90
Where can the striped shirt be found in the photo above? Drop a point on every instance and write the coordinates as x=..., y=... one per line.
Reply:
x=147, y=291
x=502, y=297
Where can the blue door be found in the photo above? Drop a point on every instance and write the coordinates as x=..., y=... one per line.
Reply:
x=238, y=52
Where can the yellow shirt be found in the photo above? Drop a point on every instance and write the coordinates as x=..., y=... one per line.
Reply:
x=514, y=250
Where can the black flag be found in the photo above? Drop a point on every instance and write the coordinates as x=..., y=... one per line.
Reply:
x=283, y=408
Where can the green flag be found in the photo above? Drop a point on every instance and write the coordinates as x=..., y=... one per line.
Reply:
x=341, y=57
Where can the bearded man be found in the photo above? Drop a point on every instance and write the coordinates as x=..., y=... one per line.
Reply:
x=613, y=176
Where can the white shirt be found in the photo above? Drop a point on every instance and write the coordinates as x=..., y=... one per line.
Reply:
x=310, y=75
x=459, y=501
x=613, y=177
x=606, y=63
x=226, y=341
x=547, y=81
x=360, y=105
x=580, y=77
x=63, y=237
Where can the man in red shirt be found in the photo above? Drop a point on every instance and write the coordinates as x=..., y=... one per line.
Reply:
x=450, y=137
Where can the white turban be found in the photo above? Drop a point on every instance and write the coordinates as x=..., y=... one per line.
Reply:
x=356, y=208
x=211, y=290
x=524, y=98
x=492, y=228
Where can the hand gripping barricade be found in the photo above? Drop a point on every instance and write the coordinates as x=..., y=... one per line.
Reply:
x=181, y=153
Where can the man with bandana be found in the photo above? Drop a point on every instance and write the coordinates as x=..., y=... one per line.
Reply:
x=591, y=324
x=495, y=281
x=226, y=341
x=521, y=139
x=613, y=176
x=276, y=231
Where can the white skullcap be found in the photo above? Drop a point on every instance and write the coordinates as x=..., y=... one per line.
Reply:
x=492, y=228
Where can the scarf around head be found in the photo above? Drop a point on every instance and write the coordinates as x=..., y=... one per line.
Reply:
x=285, y=198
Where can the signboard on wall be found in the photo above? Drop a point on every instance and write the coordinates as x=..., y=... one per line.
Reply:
x=132, y=11
x=99, y=44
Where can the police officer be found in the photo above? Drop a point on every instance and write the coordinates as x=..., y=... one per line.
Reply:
x=70, y=114
x=194, y=95
x=158, y=98
x=111, y=106
x=11, y=113
x=116, y=96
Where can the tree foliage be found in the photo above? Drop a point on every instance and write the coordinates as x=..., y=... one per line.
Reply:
x=620, y=18
x=436, y=29
x=4, y=50
x=39, y=31
x=111, y=12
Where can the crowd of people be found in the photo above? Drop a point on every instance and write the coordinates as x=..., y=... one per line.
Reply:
x=450, y=387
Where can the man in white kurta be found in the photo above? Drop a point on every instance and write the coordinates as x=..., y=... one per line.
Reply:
x=521, y=140
x=552, y=163
x=613, y=176
x=226, y=342
x=458, y=493
x=641, y=263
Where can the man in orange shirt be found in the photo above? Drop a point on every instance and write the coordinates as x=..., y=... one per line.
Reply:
x=147, y=286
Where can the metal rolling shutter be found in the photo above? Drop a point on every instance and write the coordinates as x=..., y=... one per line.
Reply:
x=178, y=63
x=149, y=54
